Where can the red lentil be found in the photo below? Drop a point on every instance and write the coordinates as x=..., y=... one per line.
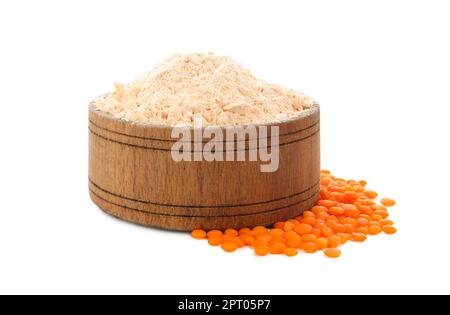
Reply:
x=332, y=252
x=277, y=248
x=388, y=202
x=229, y=246
x=389, y=229
x=334, y=241
x=310, y=247
x=214, y=233
x=322, y=243
x=262, y=250
x=290, y=251
x=215, y=241
x=198, y=234
x=346, y=211
x=231, y=232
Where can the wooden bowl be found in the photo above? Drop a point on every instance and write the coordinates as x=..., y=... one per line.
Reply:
x=132, y=176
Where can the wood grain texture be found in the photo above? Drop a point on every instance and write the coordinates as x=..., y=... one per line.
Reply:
x=132, y=176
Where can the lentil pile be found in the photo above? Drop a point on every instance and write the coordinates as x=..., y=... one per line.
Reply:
x=346, y=211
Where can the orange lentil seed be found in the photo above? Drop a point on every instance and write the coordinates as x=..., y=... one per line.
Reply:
x=323, y=216
x=277, y=248
x=377, y=217
x=346, y=211
x=214, y=241
x=359, y=237
x=389, y=229
x=198, y=234
x=303, y=229
x=388, y=202
x=231, y=232
x=374, y=229
x=309, y=220
x=308, y=214
x=321, y=243
x=370, y=194
x=289, y=226
x=214, y=233
x=229, y=246
x=259, y=230
x=334, y=241
x=336, y=211
x=351, y=211
x=386, y=222
x=333, y=252
x=244, y=231
x=310, y=247
x=290, y=251
x=262, y=250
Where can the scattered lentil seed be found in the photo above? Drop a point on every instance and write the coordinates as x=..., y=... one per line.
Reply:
x=374, y=230
x=303, y=229
x=386, y=222
x=359, y=237
x=370, y=194
x=334, y=241
x=333, y=252
x=259, y=230
x=336, y=211
x=244, y=231
x=389, y=229
x=215, y=241
x=231, y=232
x=388, y=202
x=346, y=211
x=262, y=250
x=229, y=246
x=214, y=233
x=310, y=247
x=288, y=226
x=309, y=238
x=198, y=234
x=277, y=248
x=322, y=243
x=290, y=251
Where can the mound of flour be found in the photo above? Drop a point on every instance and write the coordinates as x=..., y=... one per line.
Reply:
x=217, y=89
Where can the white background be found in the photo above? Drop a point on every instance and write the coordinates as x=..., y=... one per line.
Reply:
x=380, y=70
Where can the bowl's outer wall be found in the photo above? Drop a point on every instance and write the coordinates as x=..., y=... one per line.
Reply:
x=132, y=176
